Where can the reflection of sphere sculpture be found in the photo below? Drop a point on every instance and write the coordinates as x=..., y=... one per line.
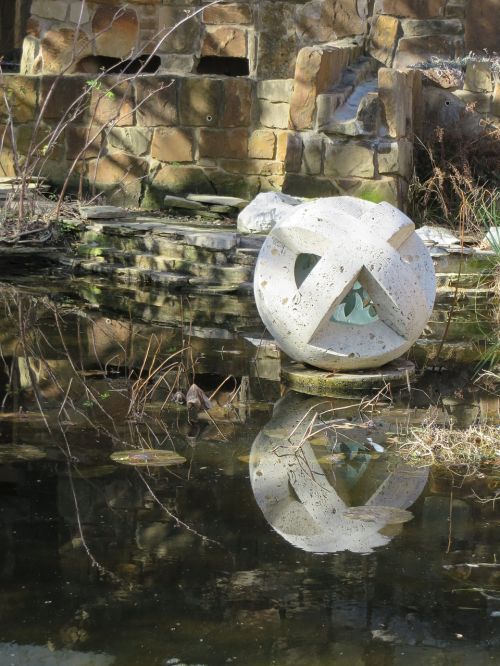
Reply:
x=307, y=510
x=344, y=284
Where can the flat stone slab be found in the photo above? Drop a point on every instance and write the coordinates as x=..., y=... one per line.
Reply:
x=103, y=212
x=216, y=200
x=345, y=384
x=179, y=202
x=437, y=236
x=212, y=240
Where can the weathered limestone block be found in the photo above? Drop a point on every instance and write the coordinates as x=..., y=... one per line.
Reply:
x=253, y=167
x=58, y=94
x=22, y=95
x=223, y=143
x=312, y=157
x=27, y=135
x=303, y=303
x=156, y=98
x=199, y=101
x=172, y=144
x=116, y=168
x=478, y=77
x=226, y=14
x=116, y=30
x=385, y=188
x=414, y=50
x=351, y=17
x=384, y=36
x=480, y=102
x=323, y=20
x=410, y=8
x=135, y=140
x=421, y=28
x=277, y=55
x=275, y=90
x=225, y=41
x=79, y=137
x=61, y=52
x=395, y=157
x=274, y=114
x=262, y=144
x=301, y=185
x=54, y=9
x=182, y=180
x=278, y=42
x=233, y=184
x=344, y=158
x=79, y=13
x=112, y=103
x=177, y=63
x=30, y=55
x=317, y=69
x=237, y=102
x=185, y=37
x=481, y=25
x=395, y=97
x=315, y=22
x=289, y=150
x=120, y=176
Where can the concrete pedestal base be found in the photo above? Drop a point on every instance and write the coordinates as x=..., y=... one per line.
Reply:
x=308, y=380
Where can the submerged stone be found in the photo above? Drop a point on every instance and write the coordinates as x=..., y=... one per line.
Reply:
x=12, y=453
x=148, y=458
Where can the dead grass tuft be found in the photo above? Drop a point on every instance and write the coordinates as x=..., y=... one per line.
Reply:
x=470, y=449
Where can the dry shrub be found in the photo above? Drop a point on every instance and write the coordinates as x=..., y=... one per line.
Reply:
x=456, y=180
x=451, y=447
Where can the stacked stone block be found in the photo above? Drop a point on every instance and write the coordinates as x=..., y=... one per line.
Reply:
x=409, y=32
x=150, y=135
x=268, y=33
x=324, y=111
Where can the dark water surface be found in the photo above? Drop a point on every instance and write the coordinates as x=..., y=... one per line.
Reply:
x=248, y=553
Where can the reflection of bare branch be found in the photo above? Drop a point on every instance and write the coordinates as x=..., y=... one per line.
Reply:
x=175, y=518
x=102, y=570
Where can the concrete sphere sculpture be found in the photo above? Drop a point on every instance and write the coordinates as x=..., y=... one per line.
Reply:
x=344, y=284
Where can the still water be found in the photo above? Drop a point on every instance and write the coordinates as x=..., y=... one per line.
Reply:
x=268, y=545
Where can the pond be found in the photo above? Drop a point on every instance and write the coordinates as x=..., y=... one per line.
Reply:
x=284, y=530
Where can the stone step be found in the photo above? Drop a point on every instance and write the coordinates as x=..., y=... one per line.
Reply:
x=209, y=238
x=92, y=243
x=214, y=273
x=348, y=111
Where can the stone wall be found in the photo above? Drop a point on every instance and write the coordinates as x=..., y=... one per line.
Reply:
x=329, y=105
x=269, y=33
